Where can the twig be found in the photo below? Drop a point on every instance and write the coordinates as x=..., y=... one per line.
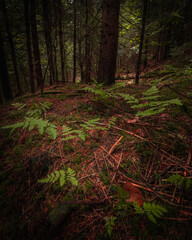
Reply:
x=114, y=174
x=131, y=133
x=113, y=147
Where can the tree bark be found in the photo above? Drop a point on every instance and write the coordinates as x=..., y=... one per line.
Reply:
x=74, y=40
x=13, y=55
x=109, y=41
x=36, y=52
x=28, y=40
x=141, y=41
x=48, y=40
x=87, y=45
x=61, y=42
x=4, y=76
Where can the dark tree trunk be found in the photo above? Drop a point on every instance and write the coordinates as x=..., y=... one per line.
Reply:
x=28, y=39
x=109, y=41
x=55, y=21
x=48, y=40
x=36, y=52
x=145, y=53
x=87, y=45
x=4, y=76
x=74, y=40
x=61, y=42
x=80, y=61
x=13, y=55
x=141, y=41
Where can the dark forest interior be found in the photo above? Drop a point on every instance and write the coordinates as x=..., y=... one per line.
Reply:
x=96, y=119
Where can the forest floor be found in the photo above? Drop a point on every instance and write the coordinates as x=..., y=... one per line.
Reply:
x=126, y=176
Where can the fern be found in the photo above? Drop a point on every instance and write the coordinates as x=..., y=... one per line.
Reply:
x=178, y=180
x=154, y=106
x=19, y=106
x=69, y=133
x=152, y=210
x=37, y=110
x=30, y=123
x=109, y=224
x=61, y=176
x=88, y=125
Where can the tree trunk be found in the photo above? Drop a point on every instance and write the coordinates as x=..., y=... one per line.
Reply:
x=87, y=45
x=36, y=52
x=4, y=76
x=145, y=53
x=109, y=41
x=74, y=40
x=28, y=39
x=48, y=40
x=13, y=55
x=61, y=43
x=80, y=61
x=141, y=41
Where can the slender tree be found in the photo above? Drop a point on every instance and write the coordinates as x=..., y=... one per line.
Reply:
x=12, y=47
x=28, y=40
x=141, y=41
x=87, y=44
x=48, y=39
x=61, y=45
x=74, y=39
x=4, y=76
x=36, y=52
x=109, y=41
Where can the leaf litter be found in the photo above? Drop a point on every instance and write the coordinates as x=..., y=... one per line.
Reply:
x=136, y=153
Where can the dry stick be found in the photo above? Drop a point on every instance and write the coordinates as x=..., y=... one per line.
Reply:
x=132, y=180
x=113, y=147
x=97, y=162
x=114, y=174
x=98, y=184
x=131, y=133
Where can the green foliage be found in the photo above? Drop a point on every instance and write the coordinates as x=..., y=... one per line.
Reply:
x=19, y=106
x=37, y=110
x=152, y=210
x=178, y=180
x=153, y=106
x=62, y=176
x=122, y=207
x=43, y=126
x=109, y=224
x=69, y=133
x=111, y=122
x=101, y=92
x=148, y=102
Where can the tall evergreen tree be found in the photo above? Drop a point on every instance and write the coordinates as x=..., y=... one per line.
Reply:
x=109, y=41
x=12, y=47
x=36, y=52
x=28, y=42
x=48, y=39
x=4, y=75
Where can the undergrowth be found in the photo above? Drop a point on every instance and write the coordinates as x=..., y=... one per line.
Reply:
x=76, y=163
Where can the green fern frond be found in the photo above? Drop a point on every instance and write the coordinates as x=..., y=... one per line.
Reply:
x=153, y=90
x=19, y=106
x=62, y=177
x=150, y=112
x=71, y=177
x=31, y=123
x=116, y=86
x=154, y=211
x=13, y=127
